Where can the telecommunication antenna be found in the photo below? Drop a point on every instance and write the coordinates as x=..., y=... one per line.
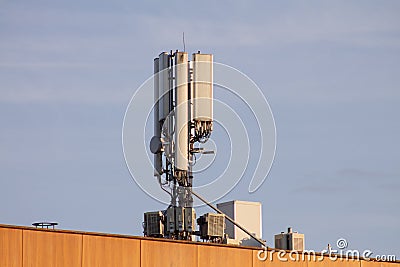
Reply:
x=183, y=116
x=183, y=39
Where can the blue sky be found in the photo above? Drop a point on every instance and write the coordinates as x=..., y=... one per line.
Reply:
x=330, y=71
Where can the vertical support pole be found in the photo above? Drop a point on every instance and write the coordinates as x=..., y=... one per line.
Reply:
x=157, y=127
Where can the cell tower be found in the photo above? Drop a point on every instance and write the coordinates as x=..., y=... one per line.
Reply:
x=183, y=116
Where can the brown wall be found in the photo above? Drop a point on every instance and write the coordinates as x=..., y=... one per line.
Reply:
x=10, y=247
x=25, y=246
x=109, y=251
x=155, y=253
x=45, y=248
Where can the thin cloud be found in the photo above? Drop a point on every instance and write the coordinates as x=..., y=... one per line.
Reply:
x=365, y=174
x=345, y=180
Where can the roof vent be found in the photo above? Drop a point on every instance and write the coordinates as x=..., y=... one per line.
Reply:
x=45, y=225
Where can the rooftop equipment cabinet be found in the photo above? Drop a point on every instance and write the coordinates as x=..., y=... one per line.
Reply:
x=248, y=214
x=212, y=227
x=153, y=224
x=289, y=241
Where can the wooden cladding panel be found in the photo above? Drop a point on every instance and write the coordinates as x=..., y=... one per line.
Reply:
x=328, y=262
x=10, y=247
x=47, y=248
x=224, y=256
x=272, y=259
x=379, y=264
x=110, y=251
x=168, y=254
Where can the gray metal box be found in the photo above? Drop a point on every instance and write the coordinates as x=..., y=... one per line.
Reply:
x=211, y=225
x=179, y=218
x=153, y=224
x=190, y=220
x=170, y=220
x=289, y=241
x=247, y=214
